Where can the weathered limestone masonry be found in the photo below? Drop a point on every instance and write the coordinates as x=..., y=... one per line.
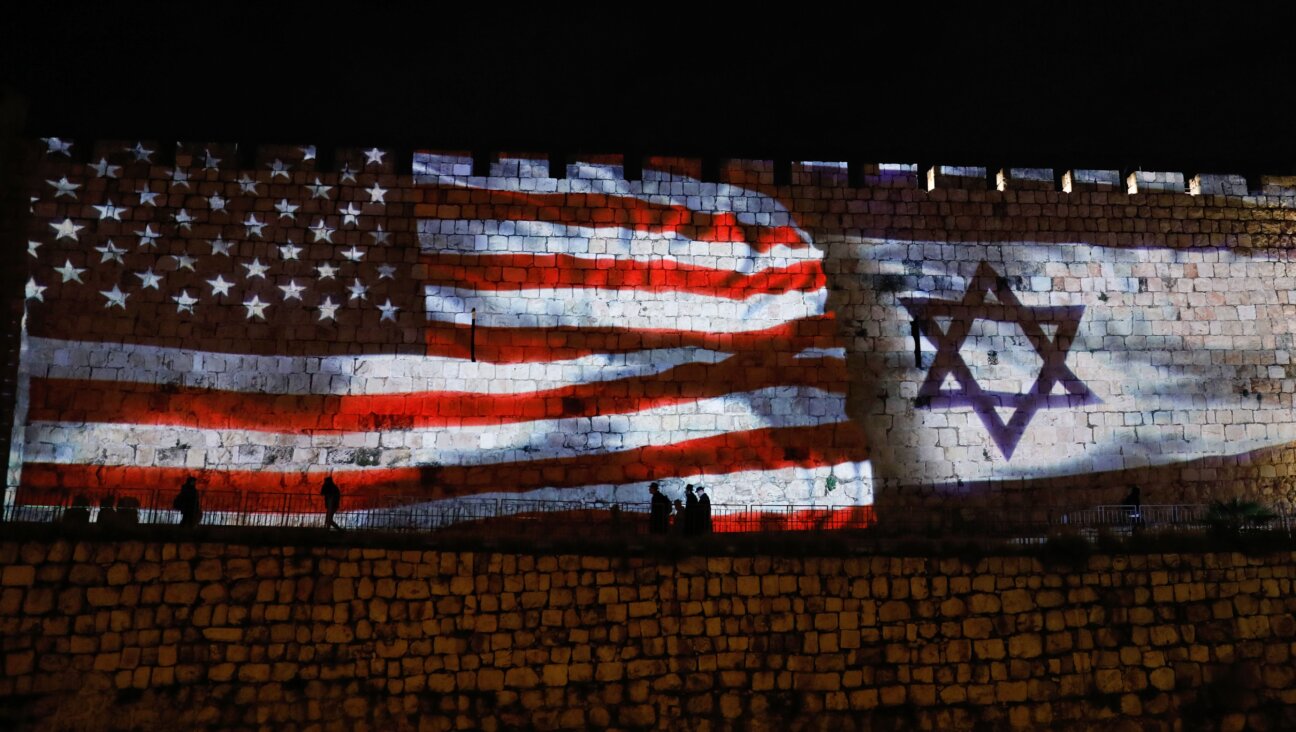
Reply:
x=919, y=340
x=159, y=635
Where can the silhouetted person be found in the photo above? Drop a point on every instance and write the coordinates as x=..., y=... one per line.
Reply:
x=107, y=511
x=692, y=512
x=679, y=522
x=332, y=499
x=188, y=503
x=704, y=511
x=659, y=513
x=1135, y=498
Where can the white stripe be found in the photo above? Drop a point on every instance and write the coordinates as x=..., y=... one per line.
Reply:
x=338, y=375
x=748, y=206
x=593, y=308
x=240, y=449
x=490, y=236
x=786, y=488
x=837, y=353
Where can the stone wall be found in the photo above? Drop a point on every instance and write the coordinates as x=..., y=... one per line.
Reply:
x=226, y=635
x=918, y=341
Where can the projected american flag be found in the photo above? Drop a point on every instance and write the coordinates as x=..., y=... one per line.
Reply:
x=462, y=337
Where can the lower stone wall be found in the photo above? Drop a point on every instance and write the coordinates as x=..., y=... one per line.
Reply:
x=218, y=635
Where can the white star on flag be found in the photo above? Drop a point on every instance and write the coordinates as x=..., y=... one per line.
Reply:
x=184, y=303
x=148, y=237
x=326, y=271
x=184, y=220
x=220, y=246
x=110, y=252
x=142, y=154
x=70, y=273
x=104, y=169
x=220, y=286
x=254, y=226
x=286, y=210
x=255, y=308
x=353, y=254
x=148, y=279
x=32, y=246
x=255, y=269
x=377, y=194
x=374, y=156
x=357, y=290
x=64, y=187
x=386, y=272
x=292, y=290
x=350, y=214
x=184, y=261
x=109, y=211
x=35, y=290
x=289, y=250
x=216, y=202
x=210, y=162
x=179, y=177
x=388, y=311
x=322, y=232
x=380, y=236
x=115, y=297
x=347, y=174
x=247, y=185
x=279, y=167
x=57, y=146
x=66, y=229
x=147, y=197
x=328, y=309
x=318, y=189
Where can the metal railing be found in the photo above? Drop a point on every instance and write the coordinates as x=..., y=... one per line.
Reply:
x=401, y=513
x=511, y=517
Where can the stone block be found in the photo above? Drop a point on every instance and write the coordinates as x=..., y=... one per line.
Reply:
x=18, y=575
x=521, y=678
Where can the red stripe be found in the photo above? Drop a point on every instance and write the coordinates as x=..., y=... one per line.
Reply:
x=528, y=345
x=844, y=517
x=768, y=449
x=73, y=400
x=510, y=272
x=594, y=210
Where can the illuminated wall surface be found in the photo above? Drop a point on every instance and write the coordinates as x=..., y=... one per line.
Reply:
x=449, y=337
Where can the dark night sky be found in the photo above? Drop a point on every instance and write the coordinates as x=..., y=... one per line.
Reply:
x=1110, y=87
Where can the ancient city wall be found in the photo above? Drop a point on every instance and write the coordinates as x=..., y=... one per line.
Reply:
x=102, y=634
x=910, y=339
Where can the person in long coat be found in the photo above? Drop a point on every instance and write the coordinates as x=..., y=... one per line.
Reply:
x=189, y=503
x=692, y=512
x=659, y=513
x=704, y=511
x=332, y=499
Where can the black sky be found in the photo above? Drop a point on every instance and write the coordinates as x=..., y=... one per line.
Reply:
x=1183, y=87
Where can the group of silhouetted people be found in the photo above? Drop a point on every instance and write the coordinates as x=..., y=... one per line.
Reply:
x=690, y=516
x=189, y=503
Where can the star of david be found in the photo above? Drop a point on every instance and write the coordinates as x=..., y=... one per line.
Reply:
x=1005, y=308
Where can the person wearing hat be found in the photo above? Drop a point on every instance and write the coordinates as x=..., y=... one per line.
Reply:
x=659, y=513
x=704, y=510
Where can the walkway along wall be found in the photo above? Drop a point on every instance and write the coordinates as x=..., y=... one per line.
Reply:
x=916, y=341
x=223, y=635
